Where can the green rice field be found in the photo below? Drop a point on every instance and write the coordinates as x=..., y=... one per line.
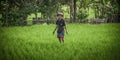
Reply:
x=83, y=42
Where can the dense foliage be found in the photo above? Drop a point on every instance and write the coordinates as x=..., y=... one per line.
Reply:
x=14, y=11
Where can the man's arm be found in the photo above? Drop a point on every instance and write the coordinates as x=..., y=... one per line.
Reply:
x=55, y=29
x=65, y=27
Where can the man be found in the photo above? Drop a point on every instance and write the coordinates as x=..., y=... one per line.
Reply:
x=60, y=26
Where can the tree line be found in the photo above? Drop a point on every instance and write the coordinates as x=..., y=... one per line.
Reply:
x=14, y=11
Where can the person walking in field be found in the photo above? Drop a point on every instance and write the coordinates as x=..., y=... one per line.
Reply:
x=60, y=27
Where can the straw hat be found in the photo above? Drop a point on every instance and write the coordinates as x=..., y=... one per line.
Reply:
x=59, y=13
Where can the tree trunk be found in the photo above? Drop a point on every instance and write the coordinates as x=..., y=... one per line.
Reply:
x=3, y=19
x=36, y=16
x=6, y=18
x=95, y=13
x=71, y=11
x=74, y=17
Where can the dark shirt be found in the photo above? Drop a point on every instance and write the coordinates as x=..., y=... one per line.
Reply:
x=60, y=24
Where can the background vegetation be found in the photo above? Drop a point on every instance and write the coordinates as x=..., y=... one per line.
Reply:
x=12, y=12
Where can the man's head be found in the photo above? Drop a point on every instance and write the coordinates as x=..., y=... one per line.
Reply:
x=60, y=15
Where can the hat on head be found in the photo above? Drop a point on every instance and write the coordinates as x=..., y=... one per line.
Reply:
x=59, y=13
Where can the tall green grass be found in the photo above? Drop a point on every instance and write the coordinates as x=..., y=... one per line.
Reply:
x=84, y=42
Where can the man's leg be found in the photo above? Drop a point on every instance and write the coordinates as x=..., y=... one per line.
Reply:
x=60, y=40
